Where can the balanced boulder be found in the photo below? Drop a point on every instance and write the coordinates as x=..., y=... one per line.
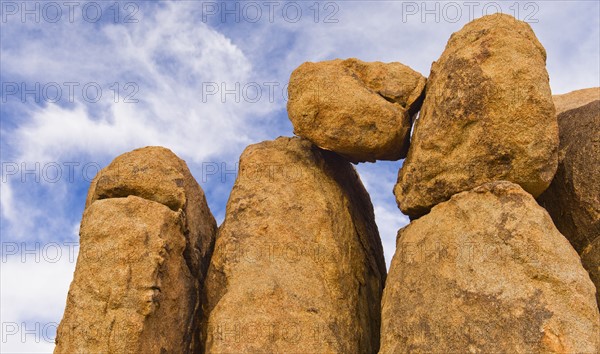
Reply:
x=298, y=263
x=360, y=110
x=145, y=241
x=488, y=115
x=488, y=272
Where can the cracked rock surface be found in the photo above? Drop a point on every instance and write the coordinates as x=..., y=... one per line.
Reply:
x=488, y=272
x=145, y=241
x=361, y=110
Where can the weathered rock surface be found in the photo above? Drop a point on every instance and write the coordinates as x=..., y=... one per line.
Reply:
x=132, y=291
x=145, y=241
x=590, y=258
x=156, y=173
x=573, y=198
x=488, y=272
x=360, y=110
x=575, y=99
x=488, y=115
x=298, y=263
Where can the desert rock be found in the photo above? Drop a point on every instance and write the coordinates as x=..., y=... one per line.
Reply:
x=360, y=110
x=156, y=173
x=488, y=272
x=488, y=115
x=298, y=264
x=145, y=241
x=573, y=198
x=575, y=99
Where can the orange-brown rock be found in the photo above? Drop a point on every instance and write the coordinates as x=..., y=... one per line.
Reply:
x=145, y=239
x=488, y=115
x=360, y=110
x=156, y=173
x=575, y=99
x=488, y=272
x=573, y=198
x=298, y=264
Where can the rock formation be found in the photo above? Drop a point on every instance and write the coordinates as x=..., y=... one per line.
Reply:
x=145, y=241
x=488, y=272
x=156, y=174
x=298, y=264
x=360, y=110
x=573, y=198
x=488, y=115
x=575, y=99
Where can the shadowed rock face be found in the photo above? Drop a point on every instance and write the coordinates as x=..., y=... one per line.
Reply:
x=590, y=258
x=488, y=272
x=298, y=263
x=488, y=115
x=573, y=198
x=360, y=110
x=145, y=241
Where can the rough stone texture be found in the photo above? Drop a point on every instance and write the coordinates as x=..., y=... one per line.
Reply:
x=132, y=291
x=488, y=272
x=145, y=241
x=590, y=258
x=573, y=198
x=360, y=110
x=298, y=263
x=488, y=115
x=156, y=173
x=575, y=99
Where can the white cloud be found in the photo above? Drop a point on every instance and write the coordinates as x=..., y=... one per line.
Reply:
x=168, y=55
x=35, y=282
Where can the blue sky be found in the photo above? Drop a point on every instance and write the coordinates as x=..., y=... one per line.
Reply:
x=188, y=75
